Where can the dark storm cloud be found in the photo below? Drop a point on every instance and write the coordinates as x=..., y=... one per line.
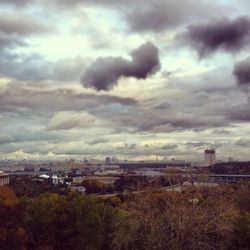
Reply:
x=104, y=73
x=242, y=72
x=227, y=34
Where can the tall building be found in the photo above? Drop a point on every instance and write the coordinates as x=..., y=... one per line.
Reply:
x=209, y=157
x=108, y=160
x=4, y=179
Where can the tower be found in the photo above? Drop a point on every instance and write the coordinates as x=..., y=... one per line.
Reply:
x=209, y=157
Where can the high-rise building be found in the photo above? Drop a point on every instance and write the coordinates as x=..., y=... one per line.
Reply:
x=209, y=157
x=4, y=179
x=108, y=160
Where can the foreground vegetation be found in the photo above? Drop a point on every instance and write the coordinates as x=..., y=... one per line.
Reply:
x=210, y=218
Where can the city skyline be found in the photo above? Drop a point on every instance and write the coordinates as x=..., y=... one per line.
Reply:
x=130, y=79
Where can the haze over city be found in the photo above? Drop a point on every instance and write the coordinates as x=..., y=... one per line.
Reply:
x=131, y=79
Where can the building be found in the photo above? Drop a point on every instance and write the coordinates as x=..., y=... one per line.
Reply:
x=108, y=160
x=4, y=179
x=209, y=157
x=57, y=180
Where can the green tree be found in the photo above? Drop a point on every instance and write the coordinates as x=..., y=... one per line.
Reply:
x=69, y=222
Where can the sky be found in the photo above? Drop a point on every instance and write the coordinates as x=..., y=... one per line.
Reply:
x=135, y=80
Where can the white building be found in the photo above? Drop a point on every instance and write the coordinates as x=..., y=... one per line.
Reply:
x=57, y=180
x=209, y=157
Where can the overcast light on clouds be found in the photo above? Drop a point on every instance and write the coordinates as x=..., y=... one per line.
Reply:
x=130, y=79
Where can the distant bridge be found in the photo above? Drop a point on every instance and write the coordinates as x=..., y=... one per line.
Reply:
x=103, y=179
x=212, y=178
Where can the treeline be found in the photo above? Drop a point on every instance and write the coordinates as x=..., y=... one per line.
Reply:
x=126, y=183
x=210, y=218
x=241, y=167
x=24, y=186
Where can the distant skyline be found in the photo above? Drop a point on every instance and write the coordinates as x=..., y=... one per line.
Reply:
x=130, y=79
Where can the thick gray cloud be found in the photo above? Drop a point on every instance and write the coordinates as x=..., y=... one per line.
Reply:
x=22, y=24
x=169, y=146
x=28, y=135
x=5, y=138
x=39, y=95
x=239, y=112
x=242, y=72
x=195, y=110
x=154, y=15
x=243, y=143
x=159, y=15
x=15, y=30
x=145, y=119
x=18, y=98
x=104, y=73
x=29, y=68
x=7, y=43
x=15, y=2
x=65, y=120
x=226, y=34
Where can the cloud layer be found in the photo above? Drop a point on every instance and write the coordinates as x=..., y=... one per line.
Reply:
x=58, y=57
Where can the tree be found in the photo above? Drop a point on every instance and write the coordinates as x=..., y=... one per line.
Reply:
x=69, y=222
x=171, y=220
x=12, y=232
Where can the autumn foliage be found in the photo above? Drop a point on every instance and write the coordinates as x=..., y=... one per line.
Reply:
x=210, y=218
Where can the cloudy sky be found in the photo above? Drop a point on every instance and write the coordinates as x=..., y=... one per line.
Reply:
x=131, y=79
